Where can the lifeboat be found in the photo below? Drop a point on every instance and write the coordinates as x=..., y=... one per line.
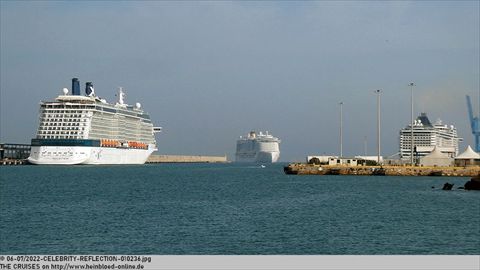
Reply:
x=132, y=144
x=108, y=143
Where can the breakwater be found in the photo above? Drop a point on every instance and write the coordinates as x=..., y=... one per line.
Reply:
x=186, y=159
x=13, y=162
x=151, y=159
x=310, y=169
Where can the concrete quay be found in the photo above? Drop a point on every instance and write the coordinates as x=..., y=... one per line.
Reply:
x=6, y=162
x=311, y=169
x=186, y=159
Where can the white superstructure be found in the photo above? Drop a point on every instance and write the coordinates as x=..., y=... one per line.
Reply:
x=260, y=148
x=427, y=136
x=76, y=129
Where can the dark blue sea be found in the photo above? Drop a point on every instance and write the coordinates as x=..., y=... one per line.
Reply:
x=230, y=209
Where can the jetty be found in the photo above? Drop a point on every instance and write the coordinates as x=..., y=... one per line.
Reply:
x=7, y=161
x=313, y=169
x=186, y=159
x=151, y=159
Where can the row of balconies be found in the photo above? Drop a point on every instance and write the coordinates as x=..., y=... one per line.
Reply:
x=50, y=120
x=60, y=132
x=65, y=110
x=62, y=124
x=60, y=114
x=59, y=137
x=62, y=128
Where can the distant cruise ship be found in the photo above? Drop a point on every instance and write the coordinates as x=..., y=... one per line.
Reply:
x=260, y=148
x=78, y=129
x=427, y=136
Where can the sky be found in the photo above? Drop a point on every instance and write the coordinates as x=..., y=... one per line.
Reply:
x=208, y=72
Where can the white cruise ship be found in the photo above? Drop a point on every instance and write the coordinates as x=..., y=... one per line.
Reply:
x=427, y=136
x=85, y=129
x=260, y=148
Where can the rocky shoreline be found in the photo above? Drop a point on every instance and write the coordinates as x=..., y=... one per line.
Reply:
x=311, y=169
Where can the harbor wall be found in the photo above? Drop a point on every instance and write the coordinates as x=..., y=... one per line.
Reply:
x=151, y=159
x=13, y=162
x=186, y=159
x=310, y=169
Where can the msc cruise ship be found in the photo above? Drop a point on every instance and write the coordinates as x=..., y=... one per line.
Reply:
x=260, y=148
x=427, y=136
x=85, y=129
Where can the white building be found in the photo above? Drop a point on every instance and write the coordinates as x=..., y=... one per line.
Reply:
x=370, y=158
x=321, y=159
x=343, y=161
x=427, y=136
x=335, y=160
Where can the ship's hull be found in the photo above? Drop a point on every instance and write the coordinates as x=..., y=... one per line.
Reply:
x=257, y=157
x=73, y=155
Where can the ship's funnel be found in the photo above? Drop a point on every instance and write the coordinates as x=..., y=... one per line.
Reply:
x=75, y=87
x=89, y=91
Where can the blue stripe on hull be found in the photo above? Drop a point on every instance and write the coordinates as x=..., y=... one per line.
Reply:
x=64, y=142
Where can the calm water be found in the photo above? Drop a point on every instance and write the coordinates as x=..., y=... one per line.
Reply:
x=230, y=209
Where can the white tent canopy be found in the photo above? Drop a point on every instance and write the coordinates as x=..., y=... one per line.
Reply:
x=468, y=154
x=436, y=158
x=436, y=153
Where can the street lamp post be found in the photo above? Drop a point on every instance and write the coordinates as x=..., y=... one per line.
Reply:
x=365, y=146
x=411, y=123
x=341, y=129
x=378, y=124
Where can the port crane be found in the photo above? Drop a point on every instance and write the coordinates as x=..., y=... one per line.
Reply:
x=474, y=124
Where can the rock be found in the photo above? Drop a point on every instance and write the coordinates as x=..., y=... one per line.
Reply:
x=333, y=171
x=447, y=186
x=379, y=171
x=435, y=173
x=290, y=170
x=473, y=184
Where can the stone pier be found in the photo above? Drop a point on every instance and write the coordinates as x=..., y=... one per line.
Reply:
x=186, y=159
x=310, y=169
